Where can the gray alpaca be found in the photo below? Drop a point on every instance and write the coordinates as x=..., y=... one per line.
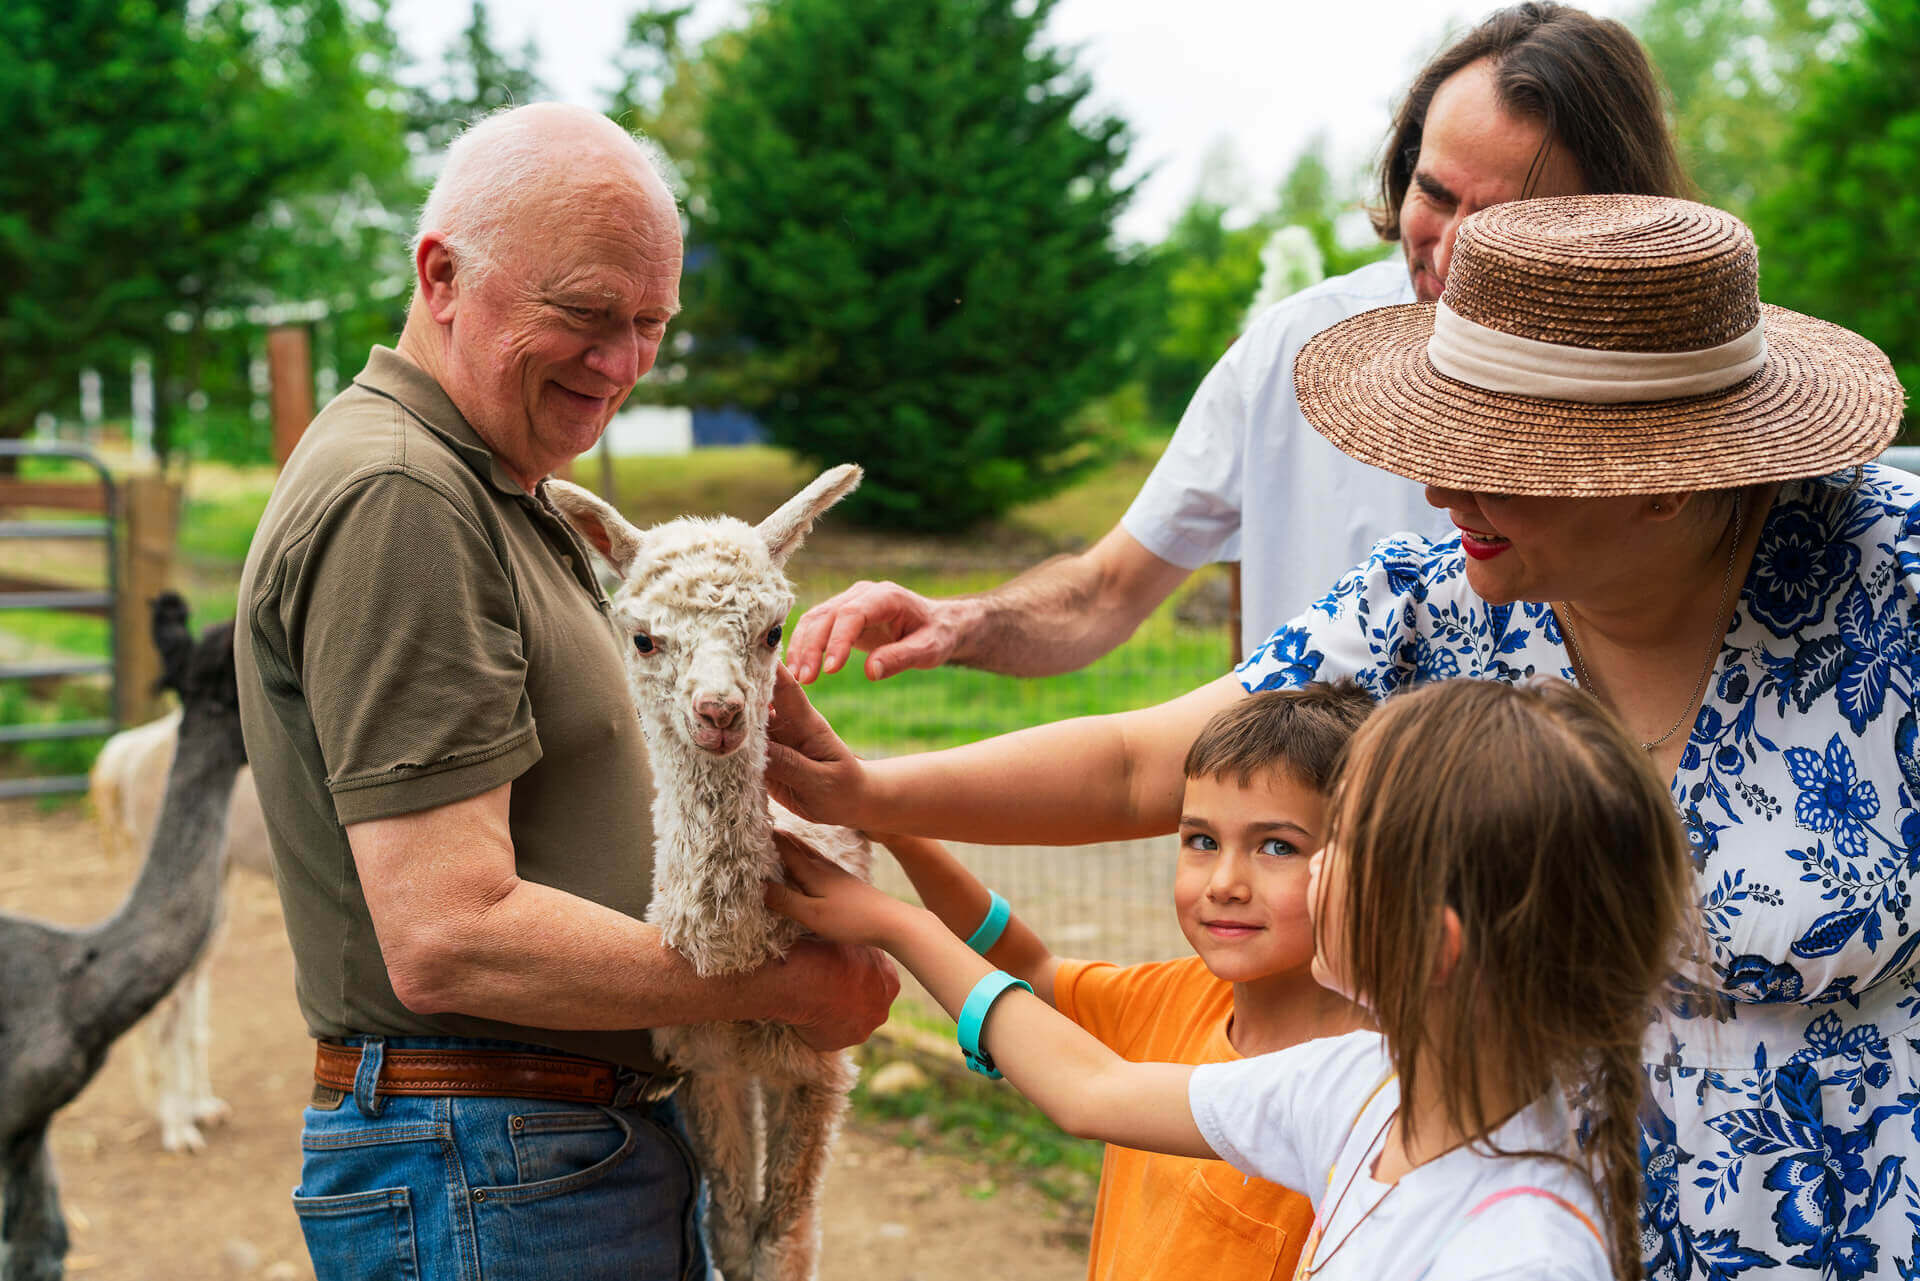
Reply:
x=66, y=995
x=704, y=601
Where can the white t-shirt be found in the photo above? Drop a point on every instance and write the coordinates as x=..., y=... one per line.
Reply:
x=1289, y=1117
x=1247, y=478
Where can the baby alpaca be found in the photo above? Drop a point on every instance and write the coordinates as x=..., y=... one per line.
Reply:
x=704, y=601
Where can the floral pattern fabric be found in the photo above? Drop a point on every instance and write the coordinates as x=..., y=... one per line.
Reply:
x=1786, y=1120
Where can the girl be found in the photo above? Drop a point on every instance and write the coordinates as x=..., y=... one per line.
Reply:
x=1503, y=886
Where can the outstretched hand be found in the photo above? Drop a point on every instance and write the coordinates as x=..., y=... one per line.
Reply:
x=809, y=770
x=899, y=630
x=826, y=898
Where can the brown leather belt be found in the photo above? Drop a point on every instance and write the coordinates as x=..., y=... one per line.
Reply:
x=494, y=1074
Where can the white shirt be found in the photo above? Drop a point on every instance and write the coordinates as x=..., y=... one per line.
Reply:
x=1290, y=1117
x=1247, y=478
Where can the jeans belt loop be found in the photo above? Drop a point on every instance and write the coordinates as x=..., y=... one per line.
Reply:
x=366, y=1081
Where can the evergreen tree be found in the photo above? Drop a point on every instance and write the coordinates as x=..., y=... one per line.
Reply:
x=1838, y=236
x=145, y=146
x=476, y=78
x=903, y=250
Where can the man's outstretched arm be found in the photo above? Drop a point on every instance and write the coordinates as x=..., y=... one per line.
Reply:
x=1057, y=617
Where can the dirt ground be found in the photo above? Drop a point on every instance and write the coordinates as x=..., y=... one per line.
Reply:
x=140, y=1214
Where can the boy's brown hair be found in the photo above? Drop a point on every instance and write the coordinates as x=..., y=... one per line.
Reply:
x=1298, y=731
x=1533, y=816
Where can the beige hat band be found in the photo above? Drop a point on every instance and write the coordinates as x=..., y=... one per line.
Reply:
x=1471, y=353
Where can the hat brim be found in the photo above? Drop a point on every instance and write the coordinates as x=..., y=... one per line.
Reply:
x=1826, y=398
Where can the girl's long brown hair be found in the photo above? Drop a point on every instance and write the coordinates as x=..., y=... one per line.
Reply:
x=1530, y=813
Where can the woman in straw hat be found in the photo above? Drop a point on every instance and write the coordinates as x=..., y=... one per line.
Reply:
x=1660, y=493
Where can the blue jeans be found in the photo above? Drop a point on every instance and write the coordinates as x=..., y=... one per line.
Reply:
x=432, y=1188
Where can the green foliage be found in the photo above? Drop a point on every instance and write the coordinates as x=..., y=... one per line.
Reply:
x=903, y=251
x=1208, y=276
x=1838, y=236
x=476, y=78
x=995, y=1126
x=161, y=160
x=1735, y=69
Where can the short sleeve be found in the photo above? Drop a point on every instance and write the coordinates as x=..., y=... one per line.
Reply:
x=1284, y=1116
x=1188, y=512
x=1365, y=627
x=1115, y=1002
x=402, y=631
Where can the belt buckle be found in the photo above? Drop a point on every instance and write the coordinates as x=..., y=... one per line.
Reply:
x=632, y=1086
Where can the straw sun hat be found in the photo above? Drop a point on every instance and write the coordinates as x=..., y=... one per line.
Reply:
x=1599, y=345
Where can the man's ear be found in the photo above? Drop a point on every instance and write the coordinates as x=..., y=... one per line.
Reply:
x=433, y=267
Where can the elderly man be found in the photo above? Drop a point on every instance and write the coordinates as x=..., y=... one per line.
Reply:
x=452, y=776
x=1538, y=100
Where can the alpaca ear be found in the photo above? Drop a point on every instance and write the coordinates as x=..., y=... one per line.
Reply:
x=786, y=529
x=595, y=520
x=174, y=641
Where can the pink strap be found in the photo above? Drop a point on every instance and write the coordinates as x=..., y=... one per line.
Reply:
x=1560, y=1201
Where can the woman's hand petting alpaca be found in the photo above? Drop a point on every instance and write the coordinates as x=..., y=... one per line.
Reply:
x=809, y=770
x=830, y=901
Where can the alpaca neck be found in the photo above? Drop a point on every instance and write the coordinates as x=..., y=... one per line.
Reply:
x=132, y=960
x=713, y=853
x=709, y=810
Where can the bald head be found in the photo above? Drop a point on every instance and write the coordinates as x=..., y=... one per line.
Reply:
x=516, y=169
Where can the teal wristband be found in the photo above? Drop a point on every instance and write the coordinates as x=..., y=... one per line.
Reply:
x=974, y=1013
x=998, y=914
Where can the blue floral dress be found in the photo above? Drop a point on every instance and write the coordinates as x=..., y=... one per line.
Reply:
x=1782, y=1130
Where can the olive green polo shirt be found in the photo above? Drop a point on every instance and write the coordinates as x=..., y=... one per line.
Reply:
x=417, y=629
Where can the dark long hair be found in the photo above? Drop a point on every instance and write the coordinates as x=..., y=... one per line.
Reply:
x=1533, y=816
x=1586, y=79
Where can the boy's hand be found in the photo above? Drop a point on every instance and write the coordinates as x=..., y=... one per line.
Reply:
x=826, y=898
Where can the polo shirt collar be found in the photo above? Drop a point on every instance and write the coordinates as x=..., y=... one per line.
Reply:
x=392, y=375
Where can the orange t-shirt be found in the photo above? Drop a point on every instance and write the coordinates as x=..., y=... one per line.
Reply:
x=1174, y=1218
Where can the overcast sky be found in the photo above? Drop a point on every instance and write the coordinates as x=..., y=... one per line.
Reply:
x=1250, y=79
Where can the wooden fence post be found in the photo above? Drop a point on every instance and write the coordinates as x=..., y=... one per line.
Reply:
x=290, y=368
x=150, y=504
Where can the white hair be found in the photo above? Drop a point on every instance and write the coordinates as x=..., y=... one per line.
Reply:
x=507, y=156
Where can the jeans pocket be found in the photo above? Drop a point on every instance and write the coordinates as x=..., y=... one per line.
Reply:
x=557, y=1145
x=360, y=1236
x=622, y=1216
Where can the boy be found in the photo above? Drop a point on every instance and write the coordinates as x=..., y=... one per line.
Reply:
x=1253, y=815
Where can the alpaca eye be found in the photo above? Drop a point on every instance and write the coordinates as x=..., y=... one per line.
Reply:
x=773, y=638
x=643, y=642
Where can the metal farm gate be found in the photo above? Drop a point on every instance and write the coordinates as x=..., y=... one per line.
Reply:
x=98, y=502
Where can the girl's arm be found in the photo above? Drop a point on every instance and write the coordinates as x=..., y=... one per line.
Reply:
x=1086, y=1088
x=1093, y=779
x=957, y=897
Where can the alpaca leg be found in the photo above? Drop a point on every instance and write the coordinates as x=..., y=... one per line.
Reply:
x=207, y=1108
x=723, y=1127
x=171, y=1027
x=33, y=1233
x=802, y=1121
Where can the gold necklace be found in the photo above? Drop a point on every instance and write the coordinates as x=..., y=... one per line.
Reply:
x=1720, y=612
x=1310, y=1262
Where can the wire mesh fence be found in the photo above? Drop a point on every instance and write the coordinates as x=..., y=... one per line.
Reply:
x=1111, y=901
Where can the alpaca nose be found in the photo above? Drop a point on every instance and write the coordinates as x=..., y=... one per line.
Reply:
x=720, y=713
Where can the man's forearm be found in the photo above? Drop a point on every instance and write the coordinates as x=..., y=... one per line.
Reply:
x=1064, y=613
x=540, y=957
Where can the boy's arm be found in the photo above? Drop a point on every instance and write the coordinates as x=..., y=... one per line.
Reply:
x=957, y=897
x=1086, y=1088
